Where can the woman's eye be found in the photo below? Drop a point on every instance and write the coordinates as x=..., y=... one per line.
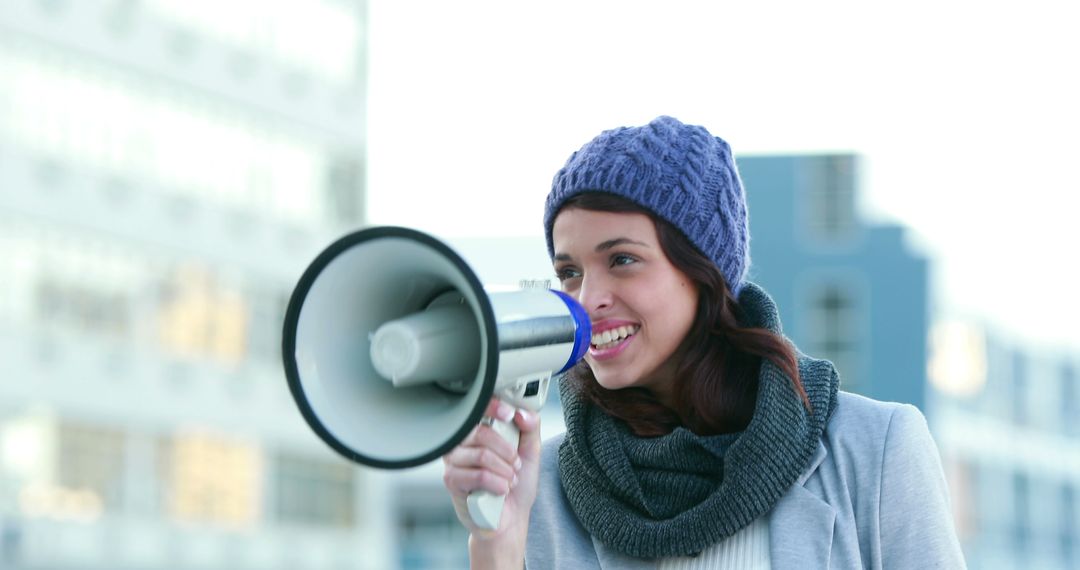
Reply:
x=622, y=259
x=566, y=273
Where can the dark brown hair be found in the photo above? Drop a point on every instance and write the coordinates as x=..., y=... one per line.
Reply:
x=716, y=383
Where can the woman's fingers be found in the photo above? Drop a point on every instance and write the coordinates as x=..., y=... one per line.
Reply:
x=485, y=460
x=484, y=447
x=465, y=480
x=482, y=458
x=484, y=436
x=487, y=436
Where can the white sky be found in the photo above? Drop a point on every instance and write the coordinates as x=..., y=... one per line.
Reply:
x=966, y=115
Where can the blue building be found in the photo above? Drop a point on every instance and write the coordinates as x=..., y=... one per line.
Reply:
x=848, y=291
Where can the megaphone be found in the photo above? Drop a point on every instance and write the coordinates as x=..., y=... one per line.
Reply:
x=393, y=349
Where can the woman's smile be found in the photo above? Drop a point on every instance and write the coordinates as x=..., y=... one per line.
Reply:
x=610, y=341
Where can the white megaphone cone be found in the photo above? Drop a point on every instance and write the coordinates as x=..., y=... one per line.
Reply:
x=392, y=350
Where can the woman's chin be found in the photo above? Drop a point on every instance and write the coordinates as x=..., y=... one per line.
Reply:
x=614, y=382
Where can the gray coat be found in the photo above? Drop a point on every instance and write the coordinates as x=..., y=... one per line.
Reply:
x=873, y=496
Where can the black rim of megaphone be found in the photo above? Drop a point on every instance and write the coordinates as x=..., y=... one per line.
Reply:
x=292, y=316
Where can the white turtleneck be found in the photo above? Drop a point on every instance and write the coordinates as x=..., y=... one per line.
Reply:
x=747, y=549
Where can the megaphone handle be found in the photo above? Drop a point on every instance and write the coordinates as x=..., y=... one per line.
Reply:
x=485, y=508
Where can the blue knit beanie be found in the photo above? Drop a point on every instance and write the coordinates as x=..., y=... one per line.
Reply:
x=679, y=172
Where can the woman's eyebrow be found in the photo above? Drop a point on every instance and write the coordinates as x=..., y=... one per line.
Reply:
x=606, y=245
x=602, y=246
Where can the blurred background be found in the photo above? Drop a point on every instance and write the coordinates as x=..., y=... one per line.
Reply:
x=168, y=169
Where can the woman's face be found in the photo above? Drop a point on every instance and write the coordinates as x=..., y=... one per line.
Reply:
x=640, y=305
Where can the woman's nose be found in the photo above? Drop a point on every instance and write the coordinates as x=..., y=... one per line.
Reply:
x=595, y=294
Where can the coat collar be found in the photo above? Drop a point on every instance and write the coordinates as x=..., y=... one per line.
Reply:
x=611, y=559
x=801, y=524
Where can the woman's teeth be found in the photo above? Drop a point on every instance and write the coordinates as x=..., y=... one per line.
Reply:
x=612, y=337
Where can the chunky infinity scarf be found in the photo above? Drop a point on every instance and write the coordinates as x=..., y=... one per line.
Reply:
x=677, y=494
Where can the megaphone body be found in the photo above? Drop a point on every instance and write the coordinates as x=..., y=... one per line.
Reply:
x=392, y=350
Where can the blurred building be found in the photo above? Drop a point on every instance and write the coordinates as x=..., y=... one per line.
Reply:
x=848, y=291
x=167, y=168
x=1005, y=419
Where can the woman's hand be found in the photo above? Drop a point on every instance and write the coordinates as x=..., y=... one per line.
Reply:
x=486, y=462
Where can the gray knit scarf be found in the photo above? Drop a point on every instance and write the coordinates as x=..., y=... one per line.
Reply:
x=677, y=494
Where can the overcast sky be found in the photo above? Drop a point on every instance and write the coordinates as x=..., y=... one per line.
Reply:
x=965, y=114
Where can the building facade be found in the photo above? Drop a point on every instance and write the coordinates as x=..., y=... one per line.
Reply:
x=1005, y=418
x=848, y=291
x=167, y=168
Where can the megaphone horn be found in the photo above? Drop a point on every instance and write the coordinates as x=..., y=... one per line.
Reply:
x=392, y=350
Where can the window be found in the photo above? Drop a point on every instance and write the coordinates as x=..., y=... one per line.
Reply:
x=211, y=479
x=80, y=306
x=1068, y=536
x=832, y=330
x=828, y=187
x=1070, y=400
x=1019, y=388
x=82, y=284
x=201, y=318
x=314, y=492
x=90, y=468
x=1021, y=485
x=345, y=189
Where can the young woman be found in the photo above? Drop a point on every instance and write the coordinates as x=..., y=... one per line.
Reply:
x=697, y=435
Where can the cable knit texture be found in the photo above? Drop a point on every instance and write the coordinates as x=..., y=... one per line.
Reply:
x=677, y=494
x=679, y=172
